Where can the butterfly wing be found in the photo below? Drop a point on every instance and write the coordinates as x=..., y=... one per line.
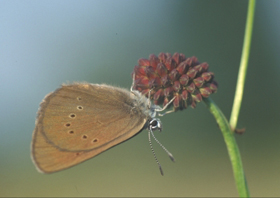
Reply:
x=79, y=121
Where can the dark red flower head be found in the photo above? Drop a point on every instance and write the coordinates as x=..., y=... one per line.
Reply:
x=174, y=76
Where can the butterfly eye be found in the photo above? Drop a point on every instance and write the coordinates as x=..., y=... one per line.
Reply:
x=155, y=124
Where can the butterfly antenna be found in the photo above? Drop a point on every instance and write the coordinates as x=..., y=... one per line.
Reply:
x=168, y=153
x=150, y=142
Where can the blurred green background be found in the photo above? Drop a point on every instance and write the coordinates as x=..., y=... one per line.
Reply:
x=46, y=43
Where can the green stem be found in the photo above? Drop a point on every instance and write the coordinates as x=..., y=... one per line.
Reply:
x=225, y=127
x=232, y=148
x=243, y=65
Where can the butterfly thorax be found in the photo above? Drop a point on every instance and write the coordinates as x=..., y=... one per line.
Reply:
x=144, y=104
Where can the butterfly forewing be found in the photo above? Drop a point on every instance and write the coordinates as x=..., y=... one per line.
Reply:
x=78, y=121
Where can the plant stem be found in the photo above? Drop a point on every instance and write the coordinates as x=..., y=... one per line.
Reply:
x=225, y=127
x=232, y=148
x=243, y=65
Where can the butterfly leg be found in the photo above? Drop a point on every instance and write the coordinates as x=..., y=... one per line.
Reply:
x=165, y=106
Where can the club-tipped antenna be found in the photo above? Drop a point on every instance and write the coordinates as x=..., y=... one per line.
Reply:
x=150, y=142
x=168, y=153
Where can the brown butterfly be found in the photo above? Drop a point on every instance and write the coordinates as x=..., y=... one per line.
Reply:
x=78, y=121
